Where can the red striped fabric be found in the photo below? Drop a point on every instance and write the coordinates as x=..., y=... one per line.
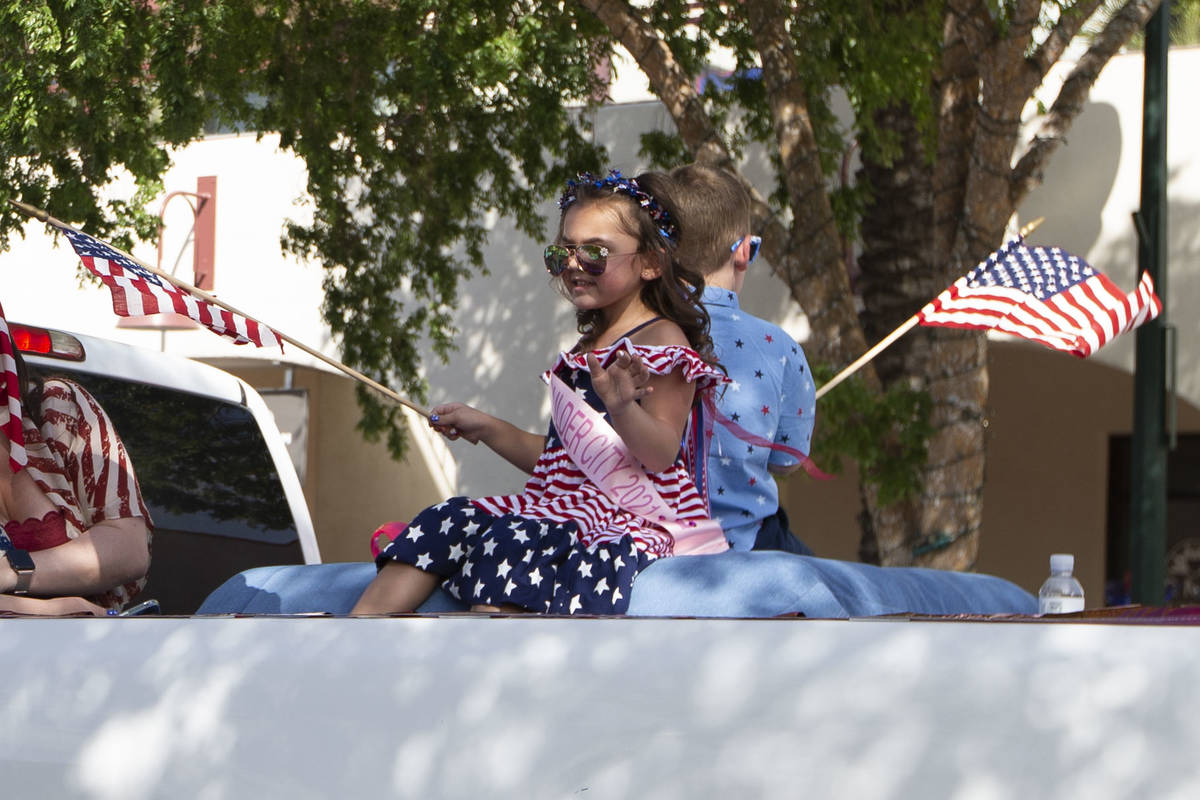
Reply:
x=10, y=399
x=558, y=490
x=1045, y=295
x=78, y=461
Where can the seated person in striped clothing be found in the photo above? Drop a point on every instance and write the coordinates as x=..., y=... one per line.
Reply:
x=74, y=533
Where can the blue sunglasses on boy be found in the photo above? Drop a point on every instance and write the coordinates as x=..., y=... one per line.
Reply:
x=755, y=242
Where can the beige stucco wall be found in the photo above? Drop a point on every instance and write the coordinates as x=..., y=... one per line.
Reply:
x=1049, y=421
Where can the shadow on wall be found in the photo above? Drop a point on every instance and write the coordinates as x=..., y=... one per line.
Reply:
x=1119, y=261
x=1079, y=179
x=1183, y=293
x=510, y=324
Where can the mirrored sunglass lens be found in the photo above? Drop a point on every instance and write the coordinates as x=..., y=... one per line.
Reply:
x=592, y=258
x=755, y=241
x=556, y=258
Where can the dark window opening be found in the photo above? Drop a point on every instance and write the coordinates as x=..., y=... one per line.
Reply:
x=1183, y=522
x=210, y=485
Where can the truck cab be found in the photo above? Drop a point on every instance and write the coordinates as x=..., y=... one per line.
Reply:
x=214, y=470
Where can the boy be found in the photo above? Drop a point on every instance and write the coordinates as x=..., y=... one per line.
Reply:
x=772, y=395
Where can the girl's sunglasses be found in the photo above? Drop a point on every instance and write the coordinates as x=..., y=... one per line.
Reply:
x=591, y=258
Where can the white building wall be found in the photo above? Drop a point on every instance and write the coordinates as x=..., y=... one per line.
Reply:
x=1092, y=186
x=257, y=189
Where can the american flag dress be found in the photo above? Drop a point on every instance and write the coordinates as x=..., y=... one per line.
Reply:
x=561, y=546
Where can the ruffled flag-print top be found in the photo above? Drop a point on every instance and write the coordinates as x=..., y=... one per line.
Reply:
x=558, y=490
x=78, y=461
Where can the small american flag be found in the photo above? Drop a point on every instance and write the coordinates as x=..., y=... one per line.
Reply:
x=1046, y=295
x=137, y=291
x=10, y=399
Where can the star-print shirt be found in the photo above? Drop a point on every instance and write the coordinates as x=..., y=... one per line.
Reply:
x=772, y=395
x=558, y=490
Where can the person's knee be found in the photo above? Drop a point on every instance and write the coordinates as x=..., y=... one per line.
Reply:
x=398, y=588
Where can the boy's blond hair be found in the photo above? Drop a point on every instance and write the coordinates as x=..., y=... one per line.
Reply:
x=714, y=211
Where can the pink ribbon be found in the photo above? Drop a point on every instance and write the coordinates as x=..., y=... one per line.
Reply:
x=806, y=463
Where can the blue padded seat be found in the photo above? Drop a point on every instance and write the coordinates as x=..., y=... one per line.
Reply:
x=731, y=584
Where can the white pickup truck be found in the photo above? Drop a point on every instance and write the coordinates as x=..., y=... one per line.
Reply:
x=214, y=470
x=273, y=696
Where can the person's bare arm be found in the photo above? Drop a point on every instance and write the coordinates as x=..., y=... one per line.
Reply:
x=517, y=447
x=653, y=428
x=50, y=607
x=110, y=553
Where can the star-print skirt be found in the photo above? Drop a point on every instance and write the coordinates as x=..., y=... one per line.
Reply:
x=536, y=564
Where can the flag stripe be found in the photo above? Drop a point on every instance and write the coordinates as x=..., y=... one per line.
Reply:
x=996, y=309
x=10, y=399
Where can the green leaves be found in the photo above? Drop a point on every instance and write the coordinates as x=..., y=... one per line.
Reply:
x=415, y=120
x=80, y=110
x=886, y=434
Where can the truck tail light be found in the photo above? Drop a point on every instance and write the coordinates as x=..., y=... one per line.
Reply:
x=43, y=342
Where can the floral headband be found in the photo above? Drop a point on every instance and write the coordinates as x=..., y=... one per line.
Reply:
x=618, y=183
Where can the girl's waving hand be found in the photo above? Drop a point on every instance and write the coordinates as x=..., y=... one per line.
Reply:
x=624, y=381
x=650, y=419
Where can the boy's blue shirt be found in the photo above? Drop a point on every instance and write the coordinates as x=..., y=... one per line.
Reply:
x=772, y=395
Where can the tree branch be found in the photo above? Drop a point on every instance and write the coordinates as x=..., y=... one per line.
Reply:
x=1071, y=97
x=789, y=104
x=667, y=79
x=674, y=88
x=1068, y=25
x=973, y=21
x=1021, y=75
x=956, y=96
x=812, y=260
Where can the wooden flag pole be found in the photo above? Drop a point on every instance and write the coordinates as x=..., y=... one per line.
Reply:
x=42, y=216
x=883, y=344
x=904, y=328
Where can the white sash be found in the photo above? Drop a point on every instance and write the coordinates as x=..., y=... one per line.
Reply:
x=600, y=453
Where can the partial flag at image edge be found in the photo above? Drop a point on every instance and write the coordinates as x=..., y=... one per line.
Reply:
x=10, y=398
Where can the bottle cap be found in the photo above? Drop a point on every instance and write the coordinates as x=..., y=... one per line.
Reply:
x=1062, y=562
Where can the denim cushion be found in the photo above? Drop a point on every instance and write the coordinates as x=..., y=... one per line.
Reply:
x=731, y=584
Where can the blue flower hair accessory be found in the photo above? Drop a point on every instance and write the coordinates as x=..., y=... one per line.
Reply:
x=615, y=182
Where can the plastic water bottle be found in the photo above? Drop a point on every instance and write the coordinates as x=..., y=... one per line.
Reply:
x=1061, y=593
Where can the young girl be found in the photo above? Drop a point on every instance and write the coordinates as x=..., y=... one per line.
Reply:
x=574, y=540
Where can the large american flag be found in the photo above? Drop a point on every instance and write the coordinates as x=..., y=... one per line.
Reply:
x=1046, y=295
x=137, y=291
x=10, y=399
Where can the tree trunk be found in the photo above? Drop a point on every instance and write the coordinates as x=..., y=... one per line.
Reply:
x=904, y=265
